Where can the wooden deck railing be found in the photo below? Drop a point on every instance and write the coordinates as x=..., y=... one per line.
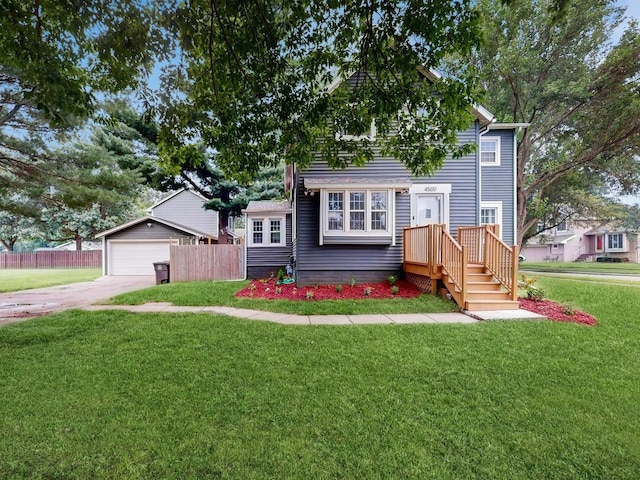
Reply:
x=431, y=250
x=454, y=263
x=421, y=246
x=499, y=259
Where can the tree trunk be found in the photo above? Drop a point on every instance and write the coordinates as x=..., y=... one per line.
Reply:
x=78, y=239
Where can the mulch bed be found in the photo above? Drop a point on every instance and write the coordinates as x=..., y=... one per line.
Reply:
x=556, y=312
x=270, y=290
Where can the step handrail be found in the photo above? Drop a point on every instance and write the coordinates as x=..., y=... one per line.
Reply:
x=501, y=261
x=454, y=264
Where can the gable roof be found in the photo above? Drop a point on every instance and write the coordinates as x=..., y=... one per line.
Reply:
x=484, y=116
x=175, y=194
x=149, y=218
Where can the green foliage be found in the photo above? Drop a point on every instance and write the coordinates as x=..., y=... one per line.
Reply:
x=392, y=279
x=338, y=288
x=55, y=60
x=532, y=292
x=395, y=289
x=352, y=282
x=253, y=82
x=309, y=294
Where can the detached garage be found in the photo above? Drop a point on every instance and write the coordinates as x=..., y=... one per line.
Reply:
x=132, y=248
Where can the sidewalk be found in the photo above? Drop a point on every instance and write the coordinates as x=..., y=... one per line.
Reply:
x=289, y=319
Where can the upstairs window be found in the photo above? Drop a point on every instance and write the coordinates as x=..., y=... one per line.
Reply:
x=490, y=151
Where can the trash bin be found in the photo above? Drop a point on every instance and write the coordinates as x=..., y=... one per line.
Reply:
x=162, y=272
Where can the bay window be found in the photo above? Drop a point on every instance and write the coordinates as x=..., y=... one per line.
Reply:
x=357, y=213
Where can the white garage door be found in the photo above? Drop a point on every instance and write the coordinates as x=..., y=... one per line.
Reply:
x=136, y=258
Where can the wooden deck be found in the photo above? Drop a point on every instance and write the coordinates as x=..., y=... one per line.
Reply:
x=478, y=269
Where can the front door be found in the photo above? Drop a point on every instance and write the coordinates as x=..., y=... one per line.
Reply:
x=427, y=208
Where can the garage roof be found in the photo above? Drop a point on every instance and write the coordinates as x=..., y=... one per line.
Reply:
x=124, y=226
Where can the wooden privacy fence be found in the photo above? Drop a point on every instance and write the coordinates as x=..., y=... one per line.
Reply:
x=189, y=263
x=51, y=259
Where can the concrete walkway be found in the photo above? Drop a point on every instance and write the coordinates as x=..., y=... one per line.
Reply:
x=289, y=319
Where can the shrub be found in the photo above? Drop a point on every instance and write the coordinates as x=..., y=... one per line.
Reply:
x=338, y=288
x=280, y=275
x=278, y=290
x=352, y=282
x=309, y=294
x=568, y=309
x=368, y=291
x=531, y=291
x=392, y=279
x=394, y=290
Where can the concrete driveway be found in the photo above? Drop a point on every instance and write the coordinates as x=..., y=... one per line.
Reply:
x=15, y=306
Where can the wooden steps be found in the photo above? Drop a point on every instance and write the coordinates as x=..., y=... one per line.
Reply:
x=484, y=292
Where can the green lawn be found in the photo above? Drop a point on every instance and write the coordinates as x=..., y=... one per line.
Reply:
x=111, y=395
x=582, y=267
x=221, y=294
x=12, y=280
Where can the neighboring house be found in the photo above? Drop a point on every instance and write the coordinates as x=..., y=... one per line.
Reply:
x=582, y=241
x=348, y=224
x=132, y=248
x=71, y=246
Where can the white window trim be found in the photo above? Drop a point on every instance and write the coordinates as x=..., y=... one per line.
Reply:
x=347, y=232
x=496, y=162
x=266, y=231
x=358, y=138
x=498, y=208
x=622, y=248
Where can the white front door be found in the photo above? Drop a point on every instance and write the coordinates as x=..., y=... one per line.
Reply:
x=427, y=208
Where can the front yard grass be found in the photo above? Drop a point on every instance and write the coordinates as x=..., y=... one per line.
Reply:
x=113, y=394
x=12, y=280
x=582, y=267
x=222, y=294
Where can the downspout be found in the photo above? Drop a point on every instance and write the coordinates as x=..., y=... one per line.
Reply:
x=244, y=247
x=481, y=132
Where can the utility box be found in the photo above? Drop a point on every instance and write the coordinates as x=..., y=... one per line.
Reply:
x=162, y=272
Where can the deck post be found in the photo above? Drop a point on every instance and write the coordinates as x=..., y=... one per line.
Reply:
x=514, y=273
x=463, y=282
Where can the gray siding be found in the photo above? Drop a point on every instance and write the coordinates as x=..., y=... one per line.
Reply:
x=339, y=263
x=498, y=183
x=142, y=232
x=262, y=261
x=186, y=209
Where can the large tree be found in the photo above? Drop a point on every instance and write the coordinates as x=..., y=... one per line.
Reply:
x=252, y=79
x=56, y=58
x=580, y=95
